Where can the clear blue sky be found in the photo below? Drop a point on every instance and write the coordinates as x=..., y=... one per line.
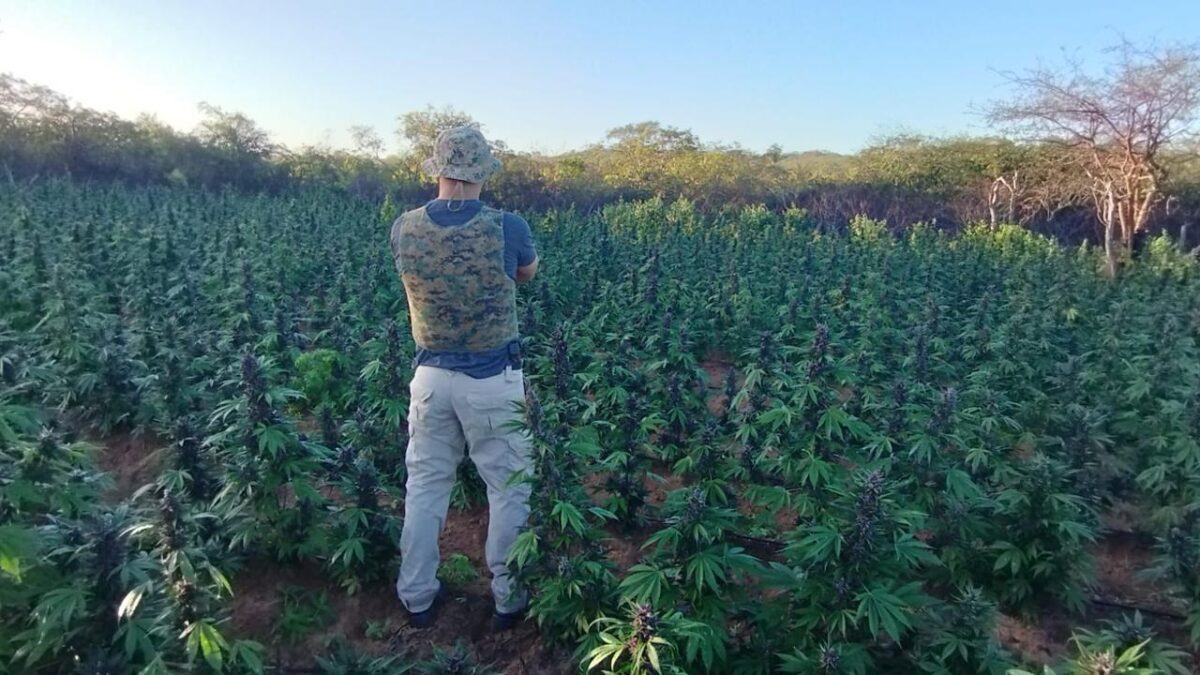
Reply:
x=551, y=76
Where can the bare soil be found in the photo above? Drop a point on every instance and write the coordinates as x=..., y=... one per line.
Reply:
x=130, y=461
x=1122, y=559
x=1043, y=642
x=716, y=369
x=464, y=617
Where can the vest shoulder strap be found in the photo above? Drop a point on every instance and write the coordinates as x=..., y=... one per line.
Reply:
x=416, y=214
x=491, y=213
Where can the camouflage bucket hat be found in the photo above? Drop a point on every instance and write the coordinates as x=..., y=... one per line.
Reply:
x=462, y=153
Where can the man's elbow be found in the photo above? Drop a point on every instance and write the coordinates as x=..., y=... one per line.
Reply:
x=526, y=273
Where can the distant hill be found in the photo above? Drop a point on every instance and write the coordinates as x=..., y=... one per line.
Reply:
x=820, y=163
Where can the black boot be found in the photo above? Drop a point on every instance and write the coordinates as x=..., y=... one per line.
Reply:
x=502, y=622
x=425, y=618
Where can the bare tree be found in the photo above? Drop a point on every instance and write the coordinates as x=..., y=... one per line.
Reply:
x=366, y=141
x=1112, y=128
x=28, y=106
x=233, y=132
x=20, y=100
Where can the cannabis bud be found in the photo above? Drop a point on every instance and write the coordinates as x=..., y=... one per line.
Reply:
x=842, y=588
x=816, y=359
x=366, y=483
x=867, y=509
x=562, y=364
x=172, y=521
x=941, y=416
x=696, y=503
x=766, y=349
x=254, y=386
x=831, y=660
x=645, y=623
x=565, y=567
x=533, y=412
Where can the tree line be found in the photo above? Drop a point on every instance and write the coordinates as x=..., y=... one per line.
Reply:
x=1104, y=157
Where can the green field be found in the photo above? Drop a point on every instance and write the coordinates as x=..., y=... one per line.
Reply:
x=762, y=446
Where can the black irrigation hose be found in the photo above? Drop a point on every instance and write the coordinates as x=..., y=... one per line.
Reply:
x=1161, y=613
x=773, y=544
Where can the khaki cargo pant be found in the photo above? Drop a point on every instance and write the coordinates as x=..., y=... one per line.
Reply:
x=451, y=411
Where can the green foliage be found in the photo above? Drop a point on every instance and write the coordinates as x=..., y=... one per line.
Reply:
x=363, y=532
x=341, y=658
x=457, y=571
x=119, y=588
x=457, y=660
x=958, y=636
x=797, y=451
x=378, y=630
x=865, y=230
x=1131, y=632
x=644, y=642
x=1050, y=527
x=1106, y=661
x=1178, y=562
x=270, y=496
x=559, y=558
x=301, y=613
x=469, y=490
x=316, y=374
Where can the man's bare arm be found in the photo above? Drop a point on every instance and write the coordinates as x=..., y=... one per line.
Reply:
x=527, y=272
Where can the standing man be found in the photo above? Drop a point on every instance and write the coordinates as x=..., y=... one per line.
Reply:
x=460, y=262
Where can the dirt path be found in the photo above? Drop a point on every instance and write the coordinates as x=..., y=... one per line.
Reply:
x=131, y=461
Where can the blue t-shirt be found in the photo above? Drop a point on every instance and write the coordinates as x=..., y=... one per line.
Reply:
x=518, y=252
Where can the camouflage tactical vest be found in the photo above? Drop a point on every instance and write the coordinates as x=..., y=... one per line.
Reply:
x=459, y=297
